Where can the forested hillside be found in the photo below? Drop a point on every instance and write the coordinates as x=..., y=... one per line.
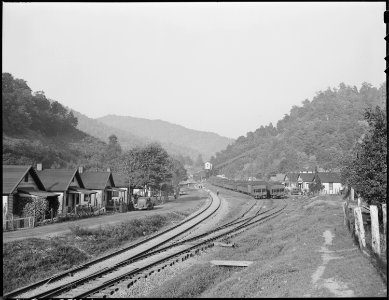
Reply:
x=127, y=139
x=37, y=129
x=40, y=130
x=318, y=133
x=175, y=138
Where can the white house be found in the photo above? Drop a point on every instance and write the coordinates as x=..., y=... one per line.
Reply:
x=331, y=182
x=208, y=166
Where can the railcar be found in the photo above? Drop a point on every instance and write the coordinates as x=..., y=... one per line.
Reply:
x=276, y=190
x=242, y=186
x=257, y=189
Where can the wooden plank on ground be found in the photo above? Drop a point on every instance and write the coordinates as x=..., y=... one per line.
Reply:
x=231, y=263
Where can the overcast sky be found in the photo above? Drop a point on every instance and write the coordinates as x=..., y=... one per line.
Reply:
x=227, y=68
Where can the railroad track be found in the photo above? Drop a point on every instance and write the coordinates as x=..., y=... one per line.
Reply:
x=106, y=281
x=122, y=255
x=143, y=266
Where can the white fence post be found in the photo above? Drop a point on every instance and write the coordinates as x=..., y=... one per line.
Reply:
x=359, y=230
x=375, y=229
x=384, y=221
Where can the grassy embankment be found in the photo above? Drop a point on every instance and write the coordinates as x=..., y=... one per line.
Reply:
x=31, y=260
x=288, y=261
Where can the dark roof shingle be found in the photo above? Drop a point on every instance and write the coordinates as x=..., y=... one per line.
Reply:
x=329, y=177
x=57, y=179
x=307, y=177
x=97, y=180
x=13, y=175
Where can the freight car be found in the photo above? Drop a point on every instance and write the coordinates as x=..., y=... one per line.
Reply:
x=242, y=186
x=276, y=190
x=257, y=189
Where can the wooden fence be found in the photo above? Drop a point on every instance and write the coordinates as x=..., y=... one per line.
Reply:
x=364, y=223
x=18, y=223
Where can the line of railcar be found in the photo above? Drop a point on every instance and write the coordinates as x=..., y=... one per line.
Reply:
x=258, y=189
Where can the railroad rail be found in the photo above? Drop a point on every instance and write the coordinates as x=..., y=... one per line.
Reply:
x=167, y=254
x=136, y=249
x=142, y=265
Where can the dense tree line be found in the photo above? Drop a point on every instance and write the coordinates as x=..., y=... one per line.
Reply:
x=317, y=134
x=23, y=111
x=365, y=167
x=39, y=130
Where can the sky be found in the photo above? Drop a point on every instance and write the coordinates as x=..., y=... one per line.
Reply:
x=226, y=67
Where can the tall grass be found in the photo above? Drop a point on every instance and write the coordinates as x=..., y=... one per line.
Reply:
x=31, y=260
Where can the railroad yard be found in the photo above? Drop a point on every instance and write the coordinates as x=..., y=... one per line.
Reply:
x=296, y=247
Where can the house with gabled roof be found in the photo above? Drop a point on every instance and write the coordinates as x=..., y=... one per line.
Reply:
x=22, y=181
x=102, y=183
x=68, y=184
x=122, y=185
x=304, y=179
x=290, y=180
x=331, y=181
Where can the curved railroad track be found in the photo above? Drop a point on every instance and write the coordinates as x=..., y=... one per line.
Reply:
x=154, y=261
x=56, y=283
x=150, y=253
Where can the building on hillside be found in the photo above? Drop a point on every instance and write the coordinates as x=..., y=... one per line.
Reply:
x=19, y=182
x=208, y=166
x=290, y=180
x=304, y=179
x=68, y=184
x=101, y=182
x=331, y=181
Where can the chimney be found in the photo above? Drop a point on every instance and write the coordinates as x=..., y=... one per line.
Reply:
x=80, y=169
x=39, y=166
x=108, y=169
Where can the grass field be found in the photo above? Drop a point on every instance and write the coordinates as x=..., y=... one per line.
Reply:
x=31, y=260
x=288, y=260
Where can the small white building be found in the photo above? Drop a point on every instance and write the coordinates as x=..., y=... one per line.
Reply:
x=208, y=166
x=331, y=182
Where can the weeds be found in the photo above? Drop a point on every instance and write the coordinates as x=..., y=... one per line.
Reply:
x=30, y=260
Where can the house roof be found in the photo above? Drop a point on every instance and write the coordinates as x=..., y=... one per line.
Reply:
x=13, y=175
x=292, y=176
x=119, y=180
x=307, y=177
x=257, y=182
x=56, y=180
x=329, y=176
x=97, y=180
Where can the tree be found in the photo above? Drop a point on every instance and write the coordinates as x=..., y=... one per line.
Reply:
x=316, y=186
x=366, y=169
x=146, y=167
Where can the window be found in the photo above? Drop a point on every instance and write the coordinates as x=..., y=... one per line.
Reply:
x=25, y=178
x=331, y=186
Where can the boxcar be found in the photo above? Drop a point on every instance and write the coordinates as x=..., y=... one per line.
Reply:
x=276, y=190
x=258, y=189
x=242, y=187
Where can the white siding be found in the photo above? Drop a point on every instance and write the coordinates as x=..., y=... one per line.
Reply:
x=5, y=206
x=336, y=188
x=60, y=200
